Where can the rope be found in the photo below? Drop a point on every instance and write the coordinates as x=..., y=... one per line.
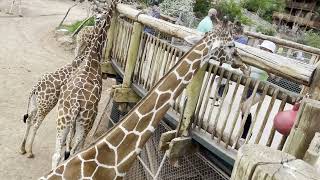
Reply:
x=146, y=167
x=161, y=165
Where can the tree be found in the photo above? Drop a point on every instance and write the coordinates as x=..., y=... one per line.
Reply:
x=175, y=8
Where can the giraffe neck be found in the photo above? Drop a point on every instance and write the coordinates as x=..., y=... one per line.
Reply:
x=94, y=52
x=111, y=156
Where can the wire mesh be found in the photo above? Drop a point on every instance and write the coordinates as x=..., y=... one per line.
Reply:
x=195, y=166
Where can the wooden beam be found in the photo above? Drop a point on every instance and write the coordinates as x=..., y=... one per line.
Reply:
x=282, y=66
x=159, y=24
x=279, y=65
x=304, y=129
x=313, y=153
x=261, y=162
x=284, y=42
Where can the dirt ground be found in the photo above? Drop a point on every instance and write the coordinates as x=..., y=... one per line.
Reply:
x=27, y=50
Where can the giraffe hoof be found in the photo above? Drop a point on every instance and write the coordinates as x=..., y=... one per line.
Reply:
x=23, y=151
x=30, y=155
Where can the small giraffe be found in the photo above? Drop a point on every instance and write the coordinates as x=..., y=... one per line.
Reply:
x=43, y=98
x=79, y=98
x=45, y=94
x=111, y=156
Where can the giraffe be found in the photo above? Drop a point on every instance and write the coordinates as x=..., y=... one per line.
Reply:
x=45, y=94
x=19, y=7
x=111, y=156
x=79, y=98
x=83, y=39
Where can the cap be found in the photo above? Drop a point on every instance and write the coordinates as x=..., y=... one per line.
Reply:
x=212, y=11
x=268, y=45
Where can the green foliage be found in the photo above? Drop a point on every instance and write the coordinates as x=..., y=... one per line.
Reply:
x=264, y=8
x=176, y=7
x=233, y=10
x=266, y=30
x=201, y=8
x=71, y=28
x=311, y=38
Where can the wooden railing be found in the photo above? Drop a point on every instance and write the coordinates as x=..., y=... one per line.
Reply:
x=221, y=124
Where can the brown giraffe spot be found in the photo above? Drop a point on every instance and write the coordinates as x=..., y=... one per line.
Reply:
x=127, y=146
x=170, y=83
x=55, y=177
x=188, y=77
x=105, y=154
x=117, y=137
x=183, y=68
x=196, y=65
x=88, y=168
x=159, y=115
x=178, y=91
x=205, y=51
x=151, y=100
x=144, y=122
x=124, y=167
x=199, y=48
x=89, y=154
x=60, y=170
x=104, y=173
x=193, y=55
x=73, y=169
x=131, y=123
x=144, y=138
x=164, y=98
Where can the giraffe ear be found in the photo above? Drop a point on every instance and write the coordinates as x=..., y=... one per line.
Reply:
x=193, y=39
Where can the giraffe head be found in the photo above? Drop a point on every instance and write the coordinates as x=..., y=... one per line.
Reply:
x=220, y=44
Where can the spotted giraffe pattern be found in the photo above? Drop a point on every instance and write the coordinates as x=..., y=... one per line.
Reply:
x=79, y=98
x=43, y=98
x=111, y=156
x=83, y=39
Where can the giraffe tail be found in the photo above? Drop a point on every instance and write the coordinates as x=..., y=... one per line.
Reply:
x=26, y=116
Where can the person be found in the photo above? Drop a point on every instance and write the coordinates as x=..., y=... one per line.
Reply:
x=207, y=23
x=154, y=12
x=251, y=100
x=239, y=37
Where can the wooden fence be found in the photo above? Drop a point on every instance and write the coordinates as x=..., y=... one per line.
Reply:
x=219, y=126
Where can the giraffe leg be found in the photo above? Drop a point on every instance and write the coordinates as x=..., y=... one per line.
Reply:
x=68, y=144
x=80, y=136
x=36, y=126
x=23, y=144
x=60, y=140
x=11, y=7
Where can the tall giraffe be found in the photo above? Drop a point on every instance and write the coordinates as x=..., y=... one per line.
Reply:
x=79, y=98
x=45, y=94
x=111, y=156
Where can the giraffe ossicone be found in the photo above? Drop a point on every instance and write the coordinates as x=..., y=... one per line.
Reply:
x=111, y=156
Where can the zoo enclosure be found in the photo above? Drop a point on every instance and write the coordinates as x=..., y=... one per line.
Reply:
x=142, y=59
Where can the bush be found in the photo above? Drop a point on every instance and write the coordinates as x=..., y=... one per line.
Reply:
x=233, y=10
x=266, y=30
x=73, y=27
x=201, y=8
x=264, y=8
x=176, y=7
x=311, y=38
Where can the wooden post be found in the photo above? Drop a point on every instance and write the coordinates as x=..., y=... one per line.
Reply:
x=132, y=54
x=313, y=153
x=261, y=162
x=304, y=129
x=125, y=93
x=106, y=66
x=193, y=93
x=314, y=89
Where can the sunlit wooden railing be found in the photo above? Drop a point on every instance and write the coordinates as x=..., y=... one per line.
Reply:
x=222, y=123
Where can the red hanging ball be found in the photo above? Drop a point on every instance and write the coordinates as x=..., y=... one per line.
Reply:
x=284, y=120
